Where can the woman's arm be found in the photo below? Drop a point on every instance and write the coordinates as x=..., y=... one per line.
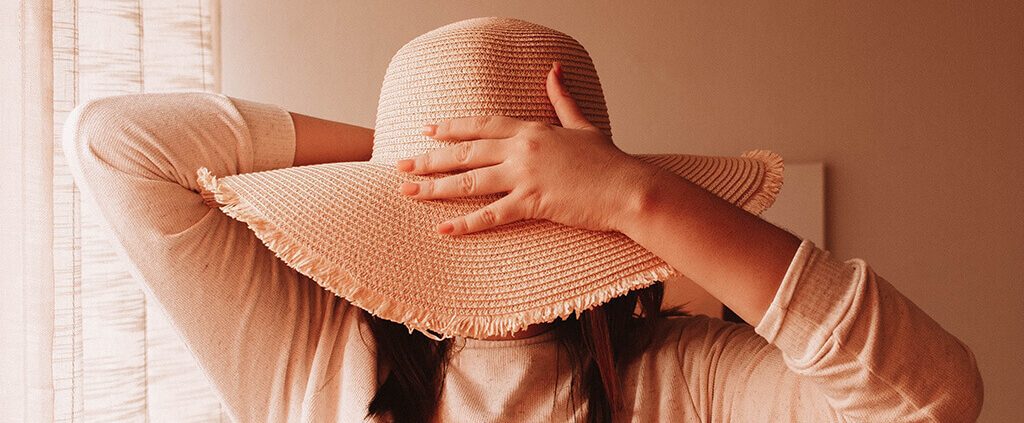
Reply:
x=838, y=343
x=850, y=341
x=324, y=141
x=258, y=329
x=737, y=257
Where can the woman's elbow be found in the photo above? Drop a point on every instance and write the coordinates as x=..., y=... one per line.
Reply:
x=88, y=129
x=125, y=135
x=106, y=134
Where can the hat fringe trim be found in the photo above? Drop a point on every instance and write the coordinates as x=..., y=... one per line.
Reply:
x=769, y=190
x=337, y=280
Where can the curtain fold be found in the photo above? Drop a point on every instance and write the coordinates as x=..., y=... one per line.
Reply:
x=26, y=210
x=79, y=340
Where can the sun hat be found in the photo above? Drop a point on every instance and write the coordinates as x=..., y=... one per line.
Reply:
x=346, y=226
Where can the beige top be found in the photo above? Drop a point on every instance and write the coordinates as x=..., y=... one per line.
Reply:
x=838, y=342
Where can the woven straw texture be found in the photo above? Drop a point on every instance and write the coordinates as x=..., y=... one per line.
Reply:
x=346, y=227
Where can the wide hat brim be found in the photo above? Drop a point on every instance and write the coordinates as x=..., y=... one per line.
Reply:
x=346, y=227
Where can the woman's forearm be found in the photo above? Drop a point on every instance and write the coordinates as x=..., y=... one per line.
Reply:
x=736, y=256
x=324, y=141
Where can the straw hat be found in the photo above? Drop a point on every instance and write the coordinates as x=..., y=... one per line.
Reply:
x=347, y=227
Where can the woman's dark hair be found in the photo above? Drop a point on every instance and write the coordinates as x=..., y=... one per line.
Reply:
x=604, y=340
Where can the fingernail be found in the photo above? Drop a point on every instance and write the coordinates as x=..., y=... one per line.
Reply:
x=409, y=188
x=429, y=130
x=446, y=228
x=405, y=165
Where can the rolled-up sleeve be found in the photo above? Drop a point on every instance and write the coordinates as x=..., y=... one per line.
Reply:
x=838, y=343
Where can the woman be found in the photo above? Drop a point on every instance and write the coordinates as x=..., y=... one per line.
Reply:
x=829, y=340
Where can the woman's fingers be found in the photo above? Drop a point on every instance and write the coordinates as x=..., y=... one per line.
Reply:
x=503, y=211
x=472, y=128
x=463, y=155
x=488, y=148
x=568, y=111
x=487, y=180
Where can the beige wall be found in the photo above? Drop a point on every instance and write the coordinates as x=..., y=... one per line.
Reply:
x=915, y=109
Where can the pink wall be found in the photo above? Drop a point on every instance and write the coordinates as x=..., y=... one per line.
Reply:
x=916, y=109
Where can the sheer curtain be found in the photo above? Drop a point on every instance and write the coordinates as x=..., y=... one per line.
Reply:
x=78, y=339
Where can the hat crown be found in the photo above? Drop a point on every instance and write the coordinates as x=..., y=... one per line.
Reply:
x=478, y=67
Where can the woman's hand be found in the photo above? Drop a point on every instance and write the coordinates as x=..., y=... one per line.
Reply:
x=573, y=174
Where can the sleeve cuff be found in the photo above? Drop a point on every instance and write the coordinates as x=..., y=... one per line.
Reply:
x=272, y=132
x=815, y=294
x=772, y=319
